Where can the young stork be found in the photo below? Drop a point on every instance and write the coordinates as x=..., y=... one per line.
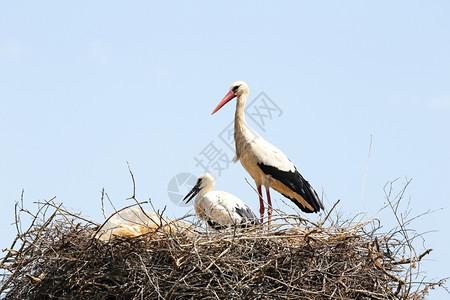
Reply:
x=266, y=164
x=219, y=209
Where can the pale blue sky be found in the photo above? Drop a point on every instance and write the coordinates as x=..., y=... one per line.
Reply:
x=86, y=87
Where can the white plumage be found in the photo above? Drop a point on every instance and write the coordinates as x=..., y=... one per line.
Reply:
x=135, y=221
x=220, y=209
x=266, y=163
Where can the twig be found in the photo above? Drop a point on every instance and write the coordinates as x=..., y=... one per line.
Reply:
x=328, y=215
x=103, y=203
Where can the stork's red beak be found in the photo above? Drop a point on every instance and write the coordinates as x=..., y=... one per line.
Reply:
x=224, y=101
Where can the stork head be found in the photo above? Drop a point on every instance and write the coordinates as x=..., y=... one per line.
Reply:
x=205, y=183
x=237, y=89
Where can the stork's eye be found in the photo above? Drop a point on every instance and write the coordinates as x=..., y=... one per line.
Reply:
x=235, y=88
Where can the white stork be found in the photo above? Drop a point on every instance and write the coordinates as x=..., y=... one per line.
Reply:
x=266, y=164
x=219, y=209
x=135, y=221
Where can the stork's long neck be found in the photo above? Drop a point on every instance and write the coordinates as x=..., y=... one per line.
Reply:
x=240, y=126
x=206, y=189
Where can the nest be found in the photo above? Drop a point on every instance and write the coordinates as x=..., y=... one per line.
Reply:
x=60, y=256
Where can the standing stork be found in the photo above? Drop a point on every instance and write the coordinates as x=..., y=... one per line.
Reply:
x=219, y=209
x=266, y=164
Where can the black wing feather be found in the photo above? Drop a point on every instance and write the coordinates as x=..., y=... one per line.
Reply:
x=296, y=182
x=248, y=217
x=216, y=225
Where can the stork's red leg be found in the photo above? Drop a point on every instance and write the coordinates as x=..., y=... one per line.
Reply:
x=269, y=207
x=261, y=204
